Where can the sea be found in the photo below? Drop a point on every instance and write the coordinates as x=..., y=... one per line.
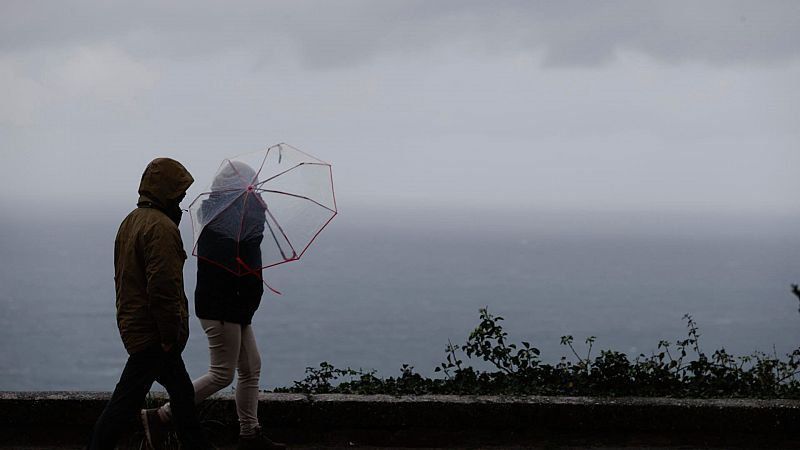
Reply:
x=383, y=287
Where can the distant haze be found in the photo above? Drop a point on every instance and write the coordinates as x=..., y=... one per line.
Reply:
x=594, y=168
x=657, y=106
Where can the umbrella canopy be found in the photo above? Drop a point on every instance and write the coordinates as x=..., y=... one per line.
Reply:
x=262, y=209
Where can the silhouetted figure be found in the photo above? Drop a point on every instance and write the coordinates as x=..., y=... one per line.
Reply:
x=152, y=309
x=228, y=293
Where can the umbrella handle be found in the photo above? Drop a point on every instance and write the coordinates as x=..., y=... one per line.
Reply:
x=255, y=272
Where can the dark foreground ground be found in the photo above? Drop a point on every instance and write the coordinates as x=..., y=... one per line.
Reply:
x=50, y=420
x=305, y=447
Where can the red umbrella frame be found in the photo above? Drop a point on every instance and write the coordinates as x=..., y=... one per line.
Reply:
x=263, y=209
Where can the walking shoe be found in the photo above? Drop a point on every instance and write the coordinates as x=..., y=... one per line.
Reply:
x=154, y=429
x=257, y=441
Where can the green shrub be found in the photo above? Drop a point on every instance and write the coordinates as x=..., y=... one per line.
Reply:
x=682, y=370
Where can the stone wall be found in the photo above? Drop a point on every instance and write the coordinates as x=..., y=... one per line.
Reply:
x=61, y=417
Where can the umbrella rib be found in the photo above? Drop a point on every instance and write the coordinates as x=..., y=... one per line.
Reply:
x=224, y=191
x=277, y=175
x=263, y=161
x=241, y=226
x=315, y=164
x=297, y=196
x=233, y=189
x=275, y=238
x=333, y=191
x=300, y=151
x=317, y=234
x=272, y=232
x=290, y=169
x=250, y=271
x=257, y=273
x=280, y=228
x=226, y=204
x=239, y=174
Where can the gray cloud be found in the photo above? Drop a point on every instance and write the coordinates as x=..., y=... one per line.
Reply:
x=502, y=104
x=344, y=33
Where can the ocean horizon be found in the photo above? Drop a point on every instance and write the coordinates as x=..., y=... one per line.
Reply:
x=382, y=288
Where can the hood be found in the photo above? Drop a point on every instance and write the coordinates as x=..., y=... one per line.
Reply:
x=234, y=208
x=234, y=175
x=164, y=183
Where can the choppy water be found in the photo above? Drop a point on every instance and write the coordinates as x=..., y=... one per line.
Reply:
x=385, y=288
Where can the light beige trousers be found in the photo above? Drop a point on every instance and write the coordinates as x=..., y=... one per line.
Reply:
x=231, y=348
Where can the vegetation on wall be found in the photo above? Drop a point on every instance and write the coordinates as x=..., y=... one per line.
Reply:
x=674, y=369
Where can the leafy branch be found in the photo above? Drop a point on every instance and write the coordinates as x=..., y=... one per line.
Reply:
x=679, y=369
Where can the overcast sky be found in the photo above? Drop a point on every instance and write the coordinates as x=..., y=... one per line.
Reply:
x=572, y=105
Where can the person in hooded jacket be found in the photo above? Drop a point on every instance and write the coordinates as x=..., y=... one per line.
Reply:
x=228, y=293
x=152, y=309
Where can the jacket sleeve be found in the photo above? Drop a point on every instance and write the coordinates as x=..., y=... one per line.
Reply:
x=163, y=258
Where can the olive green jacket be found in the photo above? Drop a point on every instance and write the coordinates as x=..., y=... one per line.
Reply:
x=152, y=307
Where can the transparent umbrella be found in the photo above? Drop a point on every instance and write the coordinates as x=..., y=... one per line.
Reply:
x=262, y=209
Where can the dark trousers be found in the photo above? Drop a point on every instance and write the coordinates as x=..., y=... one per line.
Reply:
x=141, y=370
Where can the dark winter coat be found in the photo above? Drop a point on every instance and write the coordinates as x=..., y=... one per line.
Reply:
x=228, y=290
x=152, y=307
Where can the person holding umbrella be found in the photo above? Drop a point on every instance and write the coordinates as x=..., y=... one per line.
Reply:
x=228, y=293
x=152, y=310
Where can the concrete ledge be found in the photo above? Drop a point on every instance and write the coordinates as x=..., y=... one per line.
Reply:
x=51, y=417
